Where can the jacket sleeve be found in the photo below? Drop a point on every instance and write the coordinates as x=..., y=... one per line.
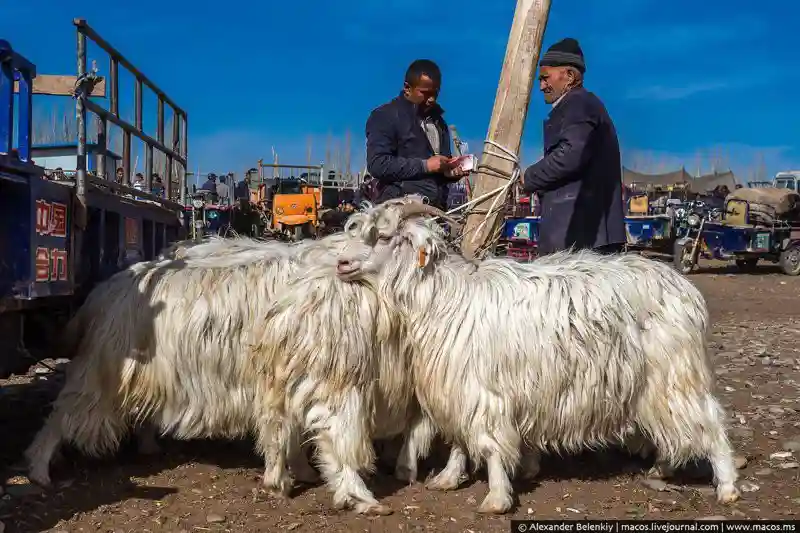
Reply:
x=563, y=163
x=382, y=164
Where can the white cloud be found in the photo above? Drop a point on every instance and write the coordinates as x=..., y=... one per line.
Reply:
x=660, y=92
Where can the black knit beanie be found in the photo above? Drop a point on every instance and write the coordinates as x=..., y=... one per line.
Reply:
x=564, y=53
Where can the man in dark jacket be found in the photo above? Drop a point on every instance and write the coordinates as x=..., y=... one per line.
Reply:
x=579, y=179
x=408, y=141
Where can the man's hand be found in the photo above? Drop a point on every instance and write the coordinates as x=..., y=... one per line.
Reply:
x=456, y=173
x=438, y=164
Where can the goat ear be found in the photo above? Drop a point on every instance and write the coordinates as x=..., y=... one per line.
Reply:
x=425, y=252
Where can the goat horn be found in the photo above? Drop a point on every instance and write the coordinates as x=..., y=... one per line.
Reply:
x=416, y=208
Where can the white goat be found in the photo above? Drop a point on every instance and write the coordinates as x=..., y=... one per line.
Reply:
x=166, y=342
x=341, y=377
x=571, y=351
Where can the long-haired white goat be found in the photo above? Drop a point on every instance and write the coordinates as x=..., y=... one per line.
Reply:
x=571, y=351
x=166, y=343
x=342, y=380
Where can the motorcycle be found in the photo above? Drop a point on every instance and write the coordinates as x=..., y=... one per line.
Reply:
x=690, y=217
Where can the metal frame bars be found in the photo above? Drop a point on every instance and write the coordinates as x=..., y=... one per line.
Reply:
x=15, y=67
x=178, y=153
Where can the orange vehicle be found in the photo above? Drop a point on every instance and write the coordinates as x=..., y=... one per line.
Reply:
x=316, y=191
x=294, y=209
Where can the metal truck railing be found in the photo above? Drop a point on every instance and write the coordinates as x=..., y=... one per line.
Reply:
x=177, y=153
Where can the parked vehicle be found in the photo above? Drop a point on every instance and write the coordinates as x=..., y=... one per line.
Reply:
x=60, y=237
x=787, y=180
x=744, y=231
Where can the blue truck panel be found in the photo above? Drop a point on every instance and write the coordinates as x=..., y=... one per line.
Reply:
x=646, y=230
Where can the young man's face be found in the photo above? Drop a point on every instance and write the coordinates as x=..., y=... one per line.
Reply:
x=424, y=93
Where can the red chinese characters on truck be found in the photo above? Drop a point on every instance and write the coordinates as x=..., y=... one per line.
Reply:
x=51, y=264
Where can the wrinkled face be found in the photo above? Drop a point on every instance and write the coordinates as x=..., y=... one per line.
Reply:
x=554, y=82
x=378, y=237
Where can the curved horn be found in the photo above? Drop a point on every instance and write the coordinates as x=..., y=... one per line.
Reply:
x=416, y=208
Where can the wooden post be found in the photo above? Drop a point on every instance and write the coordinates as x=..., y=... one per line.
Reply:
x=508, y=117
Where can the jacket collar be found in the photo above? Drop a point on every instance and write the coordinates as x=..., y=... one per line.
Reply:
x=435, y=112
x=565, y=98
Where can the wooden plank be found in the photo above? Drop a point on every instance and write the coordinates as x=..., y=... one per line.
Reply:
x=508, y=118
x=61, y=85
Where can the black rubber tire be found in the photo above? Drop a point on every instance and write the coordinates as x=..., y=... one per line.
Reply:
x=790, y=260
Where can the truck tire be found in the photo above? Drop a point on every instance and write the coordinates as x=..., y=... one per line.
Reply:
x=790, y=260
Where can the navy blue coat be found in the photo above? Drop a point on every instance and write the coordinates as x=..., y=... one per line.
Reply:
x=397, y=148
x=579, y=179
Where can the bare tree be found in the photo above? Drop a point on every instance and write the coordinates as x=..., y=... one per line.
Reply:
x=347, y=155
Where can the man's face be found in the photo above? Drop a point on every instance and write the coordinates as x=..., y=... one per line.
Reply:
x=553, y=82
x=120, y=172
x=424, y=93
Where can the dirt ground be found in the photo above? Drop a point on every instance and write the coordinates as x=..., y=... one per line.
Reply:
x=213, y=486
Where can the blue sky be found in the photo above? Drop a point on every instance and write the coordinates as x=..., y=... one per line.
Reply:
x=685, y=82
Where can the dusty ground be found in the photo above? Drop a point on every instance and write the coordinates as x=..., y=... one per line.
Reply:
x=213, y=486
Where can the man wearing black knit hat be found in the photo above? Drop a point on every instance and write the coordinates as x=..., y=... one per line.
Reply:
x=579, y=179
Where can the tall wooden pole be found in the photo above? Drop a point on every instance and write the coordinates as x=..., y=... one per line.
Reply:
x=508, y=116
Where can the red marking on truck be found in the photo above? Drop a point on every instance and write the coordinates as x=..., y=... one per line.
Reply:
x=51, y=218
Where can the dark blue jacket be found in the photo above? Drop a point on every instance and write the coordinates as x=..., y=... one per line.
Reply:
x=397, y=148
x=579, y=179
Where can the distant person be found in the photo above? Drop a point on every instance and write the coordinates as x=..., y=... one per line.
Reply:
x=223, y=191
x=157, y=186
x=138, y=182
x=408, y=140
x=579, y=179
x=210, y=184
x=120, y=176
x=242, y=189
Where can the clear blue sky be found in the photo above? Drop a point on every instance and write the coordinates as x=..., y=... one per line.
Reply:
x=679, y=78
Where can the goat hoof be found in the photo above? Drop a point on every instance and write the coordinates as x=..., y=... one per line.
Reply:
x=444, y=483
x=373, y=509
x=496, y=504
x=405, y=474
x=278, y=494
x=728, y=494
x=659, y=472
x=280, y=490
x=40, y=478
